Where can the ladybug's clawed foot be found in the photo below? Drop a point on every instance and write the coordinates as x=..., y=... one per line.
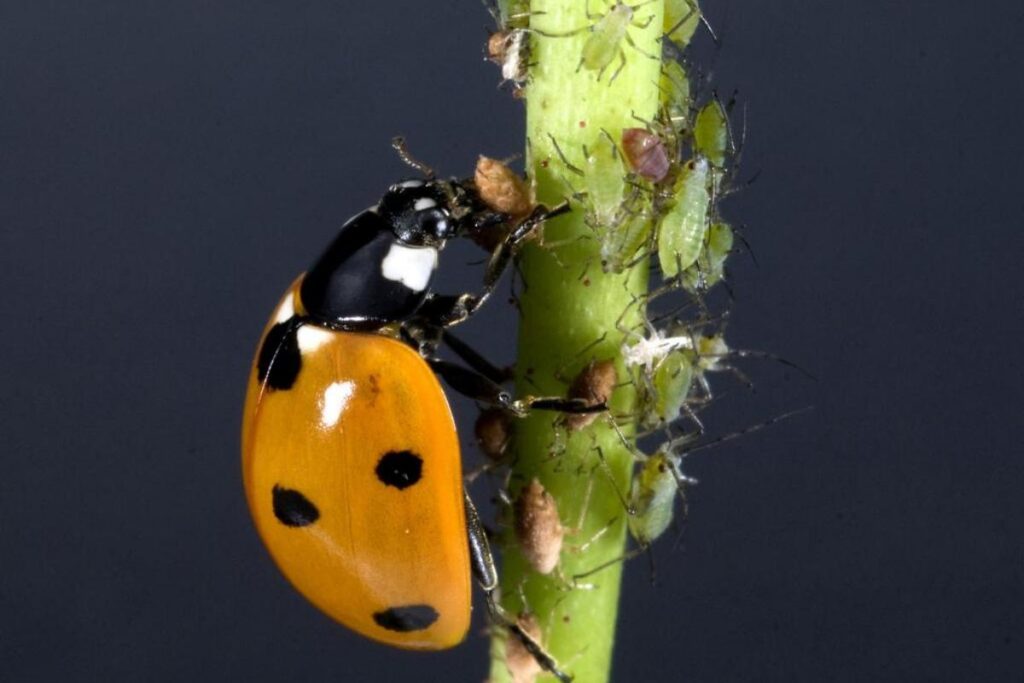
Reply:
x=575, y=406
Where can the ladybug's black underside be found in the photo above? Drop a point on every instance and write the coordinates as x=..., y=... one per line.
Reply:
x=346, y=287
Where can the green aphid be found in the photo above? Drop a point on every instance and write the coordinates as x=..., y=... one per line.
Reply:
x=514, y=13
x=606, y=36
x=621, y=232
x=682, y=228
x=653, y=496
x=605, y=179
x=671, y=383
x=675, y=95
x=620, y=244
x=681, y=19
x=710, y=266
x=711, y=134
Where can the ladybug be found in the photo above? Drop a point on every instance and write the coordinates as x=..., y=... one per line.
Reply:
x=350, y=455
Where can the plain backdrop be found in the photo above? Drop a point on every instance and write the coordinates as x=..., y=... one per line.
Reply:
x=167, y=168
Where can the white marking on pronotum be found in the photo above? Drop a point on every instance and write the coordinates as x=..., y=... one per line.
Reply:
x=411, y=266
x=286, y=310
x=411, y=183
x=312, y=337
x=334, y=401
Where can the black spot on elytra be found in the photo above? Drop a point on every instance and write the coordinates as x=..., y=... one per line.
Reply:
x=292, y=508
x=400, y=469
x=279, y=361
x=406, y=618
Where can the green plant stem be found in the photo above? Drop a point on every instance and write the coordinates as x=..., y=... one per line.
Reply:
x=573, y=312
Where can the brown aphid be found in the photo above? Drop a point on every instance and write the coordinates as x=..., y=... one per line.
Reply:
x=493, y=430
x=645, y=153
x=538, y=527
x=594, y=384
x=521, y=664
x=510, y=49
x=501, y=188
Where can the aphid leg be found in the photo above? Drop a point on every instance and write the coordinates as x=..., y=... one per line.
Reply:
x=618, y=70
x=561, y=155
x=482, y=562
x=625, y=557
x=443, y=311
x=398, y=143
x=679, y=24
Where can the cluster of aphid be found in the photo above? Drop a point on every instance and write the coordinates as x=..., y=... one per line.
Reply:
x=650, y=193
x=345, y=416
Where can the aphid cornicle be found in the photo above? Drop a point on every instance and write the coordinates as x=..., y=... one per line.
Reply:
x=350, y=455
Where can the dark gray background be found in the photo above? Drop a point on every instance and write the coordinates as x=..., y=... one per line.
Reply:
x=166, y=168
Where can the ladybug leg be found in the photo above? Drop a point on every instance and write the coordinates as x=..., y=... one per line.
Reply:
x=503, y=255
x=443, y=311
x=475, y=360
x=476, y=386
x=482, y=562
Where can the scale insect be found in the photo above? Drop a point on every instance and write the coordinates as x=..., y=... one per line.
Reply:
x=350, y=457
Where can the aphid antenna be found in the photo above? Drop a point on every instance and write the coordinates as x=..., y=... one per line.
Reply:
x=707, y=25
x=575, y=359
x=614, y=5
x=764, y=355
x=679, y=448
x=398, y=144
x=738, y=232
x=737, y=151
x=730, y=292
x=606, y=468
x=674, y=314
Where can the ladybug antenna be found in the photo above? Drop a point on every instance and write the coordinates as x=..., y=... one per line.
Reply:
x=398, y=144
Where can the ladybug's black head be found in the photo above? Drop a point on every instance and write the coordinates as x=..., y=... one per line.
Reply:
x=421, y=212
